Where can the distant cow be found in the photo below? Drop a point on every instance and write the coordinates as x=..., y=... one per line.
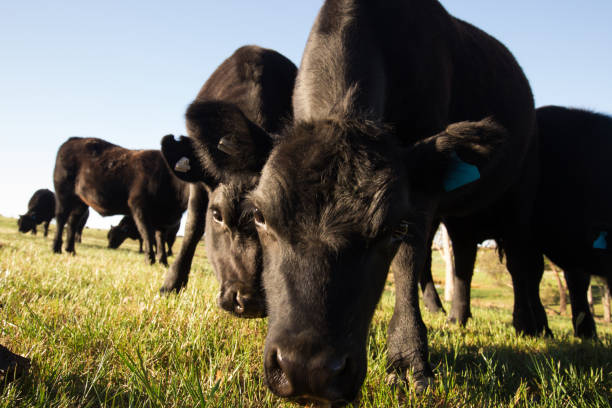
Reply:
x=127, y=229
x=113, y=180
x=41, y=209
x=245, y=99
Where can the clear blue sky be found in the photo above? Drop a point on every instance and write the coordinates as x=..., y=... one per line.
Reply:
x=125, y=71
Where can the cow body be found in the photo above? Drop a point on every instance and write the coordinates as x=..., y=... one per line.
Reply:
x=392, y=102
x=127, y=229
x=113, y=180
x=573, y=218
x=41, y=209
x=245, y=99
x=569, y=215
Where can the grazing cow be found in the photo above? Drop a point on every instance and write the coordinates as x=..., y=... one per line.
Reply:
x=41, y=209
x=229, y=124
x=127, y=229
x=402, y=113
x=113, y=180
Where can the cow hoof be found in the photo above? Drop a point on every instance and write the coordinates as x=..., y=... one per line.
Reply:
x=458, y=321
x=167, y=290
x=392, y=379
x=420, y=383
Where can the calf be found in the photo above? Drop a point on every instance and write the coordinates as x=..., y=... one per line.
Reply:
x=402, y=113
x=113, y=180
x=127, y=229
x=230, y=124
x=41, y=209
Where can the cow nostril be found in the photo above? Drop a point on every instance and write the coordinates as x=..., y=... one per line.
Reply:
x=337, y=366
x=276, y=375
x=238, y=303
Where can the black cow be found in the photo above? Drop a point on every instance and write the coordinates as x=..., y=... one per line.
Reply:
x=229, y=124
x=41, y=209
x=402, y=113
x=113, y=180
x=574, y=205
x=573, y=210
x=570, y=214
x=127, y=229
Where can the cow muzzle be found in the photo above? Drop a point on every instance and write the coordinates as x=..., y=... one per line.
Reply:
x=241, y=302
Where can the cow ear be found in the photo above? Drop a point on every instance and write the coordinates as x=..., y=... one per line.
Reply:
x=222, y=143
x=181, y=157
x=230, y=142
x=457, y=158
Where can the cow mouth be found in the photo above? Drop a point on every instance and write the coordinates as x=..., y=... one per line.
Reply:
x=246, y=307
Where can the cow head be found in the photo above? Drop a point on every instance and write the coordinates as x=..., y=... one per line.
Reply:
x=226, y=152
x=334, y=202
x=116, y=235
x=26, y=223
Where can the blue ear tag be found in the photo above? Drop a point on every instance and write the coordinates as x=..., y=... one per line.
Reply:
x=601, y=242
x=459, y=174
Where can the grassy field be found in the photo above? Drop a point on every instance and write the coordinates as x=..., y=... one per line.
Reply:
x=99, y=335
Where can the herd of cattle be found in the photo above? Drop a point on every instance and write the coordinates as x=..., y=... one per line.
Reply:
x=312, y=183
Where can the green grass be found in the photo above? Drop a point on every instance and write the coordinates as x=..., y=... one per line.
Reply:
x=99, y=335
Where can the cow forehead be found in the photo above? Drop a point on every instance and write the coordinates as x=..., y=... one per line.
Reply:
x=332, y=197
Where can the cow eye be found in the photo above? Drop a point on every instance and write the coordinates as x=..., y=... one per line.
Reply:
x=259, y=219
x=216, y=214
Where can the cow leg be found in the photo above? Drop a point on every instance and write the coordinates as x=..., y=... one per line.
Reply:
x=46, y=227
x=34, y=230
x=73, y=225
x=170, y=238
x=162, y=258
x=526, y=266
x=61, y=216
x=178, y=274
x=430, y=295
x=582, y=319
x=465, y=250
x=145, y=231
x=407, y=335
x=140, y=245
